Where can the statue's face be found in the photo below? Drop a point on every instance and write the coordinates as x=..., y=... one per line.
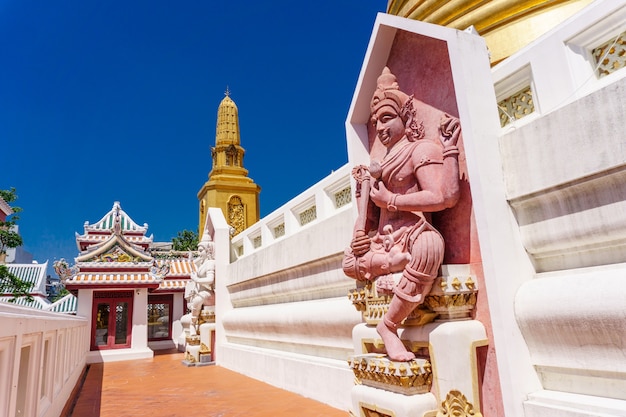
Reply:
x=389, y=126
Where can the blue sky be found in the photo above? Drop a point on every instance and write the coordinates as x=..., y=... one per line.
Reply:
x=104, y=101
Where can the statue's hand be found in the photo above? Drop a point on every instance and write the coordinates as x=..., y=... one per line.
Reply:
x=380, y=195
x=449, y=129
x=360, y=244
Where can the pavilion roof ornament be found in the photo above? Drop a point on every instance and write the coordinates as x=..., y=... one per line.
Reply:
x=116, y=218
x=115, y=253
x=117, y=222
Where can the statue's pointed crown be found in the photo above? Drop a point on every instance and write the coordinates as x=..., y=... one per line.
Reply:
x=388, y=93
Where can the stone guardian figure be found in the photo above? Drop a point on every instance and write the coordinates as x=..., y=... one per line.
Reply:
x=199, y=291
x=417, y=176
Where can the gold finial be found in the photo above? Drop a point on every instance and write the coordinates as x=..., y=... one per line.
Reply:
x=227, y=92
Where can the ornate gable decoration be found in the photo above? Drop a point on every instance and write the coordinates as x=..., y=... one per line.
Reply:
x=114, y=252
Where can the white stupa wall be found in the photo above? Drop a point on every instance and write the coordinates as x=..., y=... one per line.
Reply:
x=563, y=168
x=548, y=200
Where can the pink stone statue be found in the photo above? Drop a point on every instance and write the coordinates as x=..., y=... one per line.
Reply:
x=417, y=176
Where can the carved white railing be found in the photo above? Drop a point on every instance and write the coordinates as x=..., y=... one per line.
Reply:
x=323, y=200
x=288, y=320
x=570, y=62
x=570, y=147
x=42, y=356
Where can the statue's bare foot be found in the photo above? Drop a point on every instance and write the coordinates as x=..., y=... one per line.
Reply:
x=395, y=349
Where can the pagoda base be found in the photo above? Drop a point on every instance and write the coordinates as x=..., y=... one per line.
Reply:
x=200, y=348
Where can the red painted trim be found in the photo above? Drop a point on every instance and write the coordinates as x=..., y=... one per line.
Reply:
x=162, y=299
x=111, y=328
x=71, y=287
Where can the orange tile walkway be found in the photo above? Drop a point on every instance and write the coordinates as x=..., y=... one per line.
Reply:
x=164, y=387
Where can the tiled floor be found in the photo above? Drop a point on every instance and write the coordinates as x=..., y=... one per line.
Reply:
x=163, y=386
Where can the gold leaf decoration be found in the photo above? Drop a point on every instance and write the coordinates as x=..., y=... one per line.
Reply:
x=456, y=405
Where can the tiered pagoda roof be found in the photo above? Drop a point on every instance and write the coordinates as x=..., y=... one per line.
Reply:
x=114, y=253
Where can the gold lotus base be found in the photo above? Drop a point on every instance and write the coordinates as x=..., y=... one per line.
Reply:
x=449, y=299
x=206, y=316
x=193, y=340
x=378, y=371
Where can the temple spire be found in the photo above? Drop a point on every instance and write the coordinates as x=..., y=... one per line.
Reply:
x=229, y=186
x=227, y=129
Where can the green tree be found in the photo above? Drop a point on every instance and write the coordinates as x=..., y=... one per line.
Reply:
x=9, y=238
x=185, y=240
x=62, y=293
x=9, y=283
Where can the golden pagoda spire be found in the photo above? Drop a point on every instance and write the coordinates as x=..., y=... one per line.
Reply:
x=229, y=186
x=227, y=129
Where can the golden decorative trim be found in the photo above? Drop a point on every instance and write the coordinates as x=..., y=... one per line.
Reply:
x=516, y=106
x=459, y=14
x=456, y=405
x=610, y=56
x=372, y=410
x=451, y=306
x=193, y=340
x=206, y=316
x=506, y=25
x=189, y=357
x=378, y=371
x=420, y=349
x=204, y=349
x=450, y=299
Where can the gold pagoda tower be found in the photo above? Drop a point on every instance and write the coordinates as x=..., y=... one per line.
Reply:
x=506, y=25
x=229, y=186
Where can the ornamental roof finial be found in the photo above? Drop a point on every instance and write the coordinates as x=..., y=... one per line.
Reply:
x=227, y=92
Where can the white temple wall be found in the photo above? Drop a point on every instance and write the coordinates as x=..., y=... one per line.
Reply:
x=177, y=327
x=563, y=168
x=42, y=356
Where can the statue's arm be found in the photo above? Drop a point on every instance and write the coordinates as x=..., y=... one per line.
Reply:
x=367, y=212
x=430, y=172
x=449, y=135
x=205, y=274
x=430, y=198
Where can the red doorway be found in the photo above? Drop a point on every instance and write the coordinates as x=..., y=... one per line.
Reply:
x=111, y=320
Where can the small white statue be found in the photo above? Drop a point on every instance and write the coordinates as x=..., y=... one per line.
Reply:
x=199, y=291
